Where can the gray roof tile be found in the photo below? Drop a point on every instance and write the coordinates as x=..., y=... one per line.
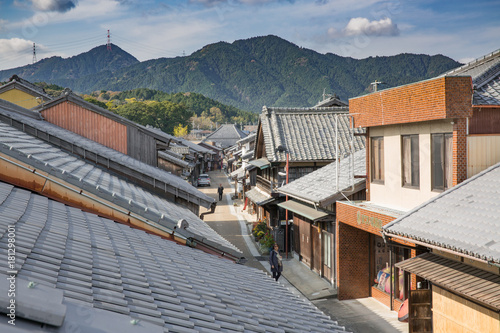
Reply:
x=320, y=186
x=179, y=288
x=226, y=135
x=306, y=134
x=127, y=195
x=465, y=218
x=485, y=73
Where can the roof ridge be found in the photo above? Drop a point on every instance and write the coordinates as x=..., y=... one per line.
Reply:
x=474, y=62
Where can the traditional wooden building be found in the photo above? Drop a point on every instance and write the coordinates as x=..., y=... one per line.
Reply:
x=306, y=138
x=422, y=140
x=311, y=206
x=23, y=93
x=225, y=136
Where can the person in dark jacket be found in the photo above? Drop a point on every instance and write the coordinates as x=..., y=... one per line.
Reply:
x=220, y=190
x=275, y=261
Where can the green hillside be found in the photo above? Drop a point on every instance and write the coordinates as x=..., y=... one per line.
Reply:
x=250, y=73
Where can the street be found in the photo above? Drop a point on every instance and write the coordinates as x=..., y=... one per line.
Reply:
x=223, y=221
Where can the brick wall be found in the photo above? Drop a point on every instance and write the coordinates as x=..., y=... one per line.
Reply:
x=353, y=248
x=353, y=265
x=441, y=98
x=348, y=214
x=459, y=151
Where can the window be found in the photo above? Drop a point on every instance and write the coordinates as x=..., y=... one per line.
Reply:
x=442, y=152
x=377, y=159
x=410, y=160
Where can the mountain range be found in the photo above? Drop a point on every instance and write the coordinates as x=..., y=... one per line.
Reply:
x=246, y=74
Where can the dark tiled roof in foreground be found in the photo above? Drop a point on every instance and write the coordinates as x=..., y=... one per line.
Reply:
x=320, y=186
x=96, y=180
x=465, y=218
x=307, y=134
x=100, y=265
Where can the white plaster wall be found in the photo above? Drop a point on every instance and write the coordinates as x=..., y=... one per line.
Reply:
x=392, y=193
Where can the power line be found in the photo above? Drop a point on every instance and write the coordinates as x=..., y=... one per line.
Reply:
x=161, y=51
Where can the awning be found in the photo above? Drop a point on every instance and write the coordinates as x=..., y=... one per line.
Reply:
x=240, y=173
x=247, y=155
x=464, y=280
x=258, y=197
x=301, y=209
x=261, y=163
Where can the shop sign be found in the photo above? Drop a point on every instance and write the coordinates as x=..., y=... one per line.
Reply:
x=369, y=220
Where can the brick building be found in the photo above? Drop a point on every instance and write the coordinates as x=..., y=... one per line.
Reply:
x=422, y=139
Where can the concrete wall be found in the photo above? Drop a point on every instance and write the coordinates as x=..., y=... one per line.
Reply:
x=391, y=193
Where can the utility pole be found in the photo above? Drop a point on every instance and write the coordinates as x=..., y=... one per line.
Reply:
x=375, y=85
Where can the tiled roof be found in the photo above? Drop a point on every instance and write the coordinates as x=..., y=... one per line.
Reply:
x=485, y=73
x=102, y=267
x=247, y=155
x=226, y=135
x=241, y=172
x=465, y=218
x=173, y=159
x=106, y=185
x=210, y=147
x=331, y=100
x=320, y=186
x=134, y=168
x=249, y=138
x=180, y=141
x=307, y=134
x=21, y=84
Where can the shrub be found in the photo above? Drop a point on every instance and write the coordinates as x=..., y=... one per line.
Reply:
x=267, y=241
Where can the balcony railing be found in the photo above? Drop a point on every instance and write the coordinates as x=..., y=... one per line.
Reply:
x=264, y=184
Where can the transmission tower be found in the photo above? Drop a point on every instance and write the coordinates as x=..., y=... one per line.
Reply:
x=108, y=45
x=34, y=53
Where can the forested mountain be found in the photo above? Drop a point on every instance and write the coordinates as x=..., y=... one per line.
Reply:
x=251, y=73
x=60, y=71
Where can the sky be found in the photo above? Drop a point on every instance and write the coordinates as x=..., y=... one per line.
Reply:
x=151, y=29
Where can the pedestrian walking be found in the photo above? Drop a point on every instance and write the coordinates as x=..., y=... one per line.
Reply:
x=276, y=262
x=220, y=190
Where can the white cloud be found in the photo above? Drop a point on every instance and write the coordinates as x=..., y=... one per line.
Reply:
x=15, y=52
x=14, y=45
x=363, y=26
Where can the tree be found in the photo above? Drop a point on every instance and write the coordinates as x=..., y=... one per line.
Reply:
x=181, y=131
x=163, y=115
x=96, y=102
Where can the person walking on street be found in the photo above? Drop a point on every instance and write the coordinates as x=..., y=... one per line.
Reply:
x=276, y=262
x=220, y=190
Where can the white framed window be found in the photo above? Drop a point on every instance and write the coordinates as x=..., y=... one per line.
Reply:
x=442, y=160
x=410, y=160
x=377, y=159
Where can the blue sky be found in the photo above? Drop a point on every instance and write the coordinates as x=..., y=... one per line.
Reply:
x=149, y=29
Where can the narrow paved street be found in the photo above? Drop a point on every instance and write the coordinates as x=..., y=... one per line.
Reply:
x=224, y=221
